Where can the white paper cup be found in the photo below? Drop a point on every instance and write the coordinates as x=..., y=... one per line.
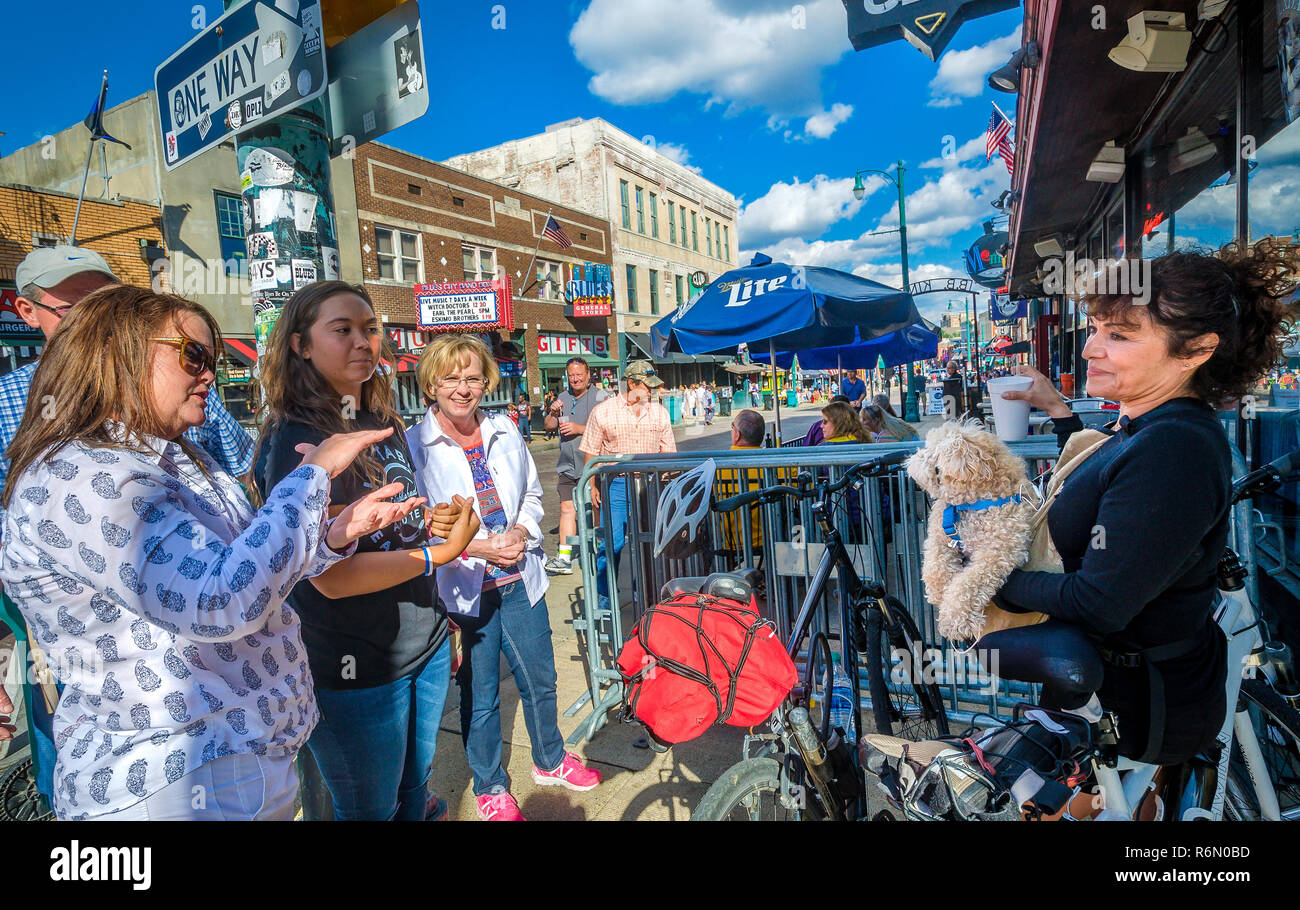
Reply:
x=1010, y=418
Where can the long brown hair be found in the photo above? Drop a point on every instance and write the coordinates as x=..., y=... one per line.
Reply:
x=98, y=368
x=844, y=422
x=294, y=390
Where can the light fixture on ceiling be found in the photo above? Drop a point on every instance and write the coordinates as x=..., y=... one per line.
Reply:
x=1156, y=42
x=1190, y=150
x=1049, y=246
x=1108, y=166
x=1007, y=77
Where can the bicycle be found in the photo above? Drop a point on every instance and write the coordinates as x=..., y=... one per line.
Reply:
x=1252, y=773
x=802, y=771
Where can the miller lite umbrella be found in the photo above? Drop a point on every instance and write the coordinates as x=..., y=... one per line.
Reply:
x=916, y=342
x=785, y=308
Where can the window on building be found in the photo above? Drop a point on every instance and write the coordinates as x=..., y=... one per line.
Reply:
x=683, y=209
x=654, y=292
x=726, y=242
x=708, y=235
x=478, y=263
x=550, y=282
x=640, y=212
x=230, y=228
x=631, y=289
x=677, y=280
x=654, y=216
x=695, y=234
x=622, y=193
x=672, y=223
x=399, y=254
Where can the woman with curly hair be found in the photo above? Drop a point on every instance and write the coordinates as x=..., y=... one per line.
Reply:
x=1141, y=524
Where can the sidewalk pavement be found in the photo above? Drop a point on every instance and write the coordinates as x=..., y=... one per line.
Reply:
x=638, y=784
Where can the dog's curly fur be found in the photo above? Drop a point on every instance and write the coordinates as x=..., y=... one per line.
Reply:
x=961, y=463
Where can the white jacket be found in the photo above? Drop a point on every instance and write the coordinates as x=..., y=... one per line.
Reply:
x=442, y=470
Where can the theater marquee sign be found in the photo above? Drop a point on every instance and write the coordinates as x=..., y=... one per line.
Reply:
x=927, y=24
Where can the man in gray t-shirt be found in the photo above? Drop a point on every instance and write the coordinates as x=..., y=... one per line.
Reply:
x=568, y=416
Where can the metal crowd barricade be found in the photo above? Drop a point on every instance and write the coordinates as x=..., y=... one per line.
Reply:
x=783, y=540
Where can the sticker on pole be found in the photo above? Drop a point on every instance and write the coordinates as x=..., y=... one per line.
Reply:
x=247, y=66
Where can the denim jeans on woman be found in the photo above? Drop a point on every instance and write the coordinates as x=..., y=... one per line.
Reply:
x=375, y=746
x=617, y=496
x=507, y=623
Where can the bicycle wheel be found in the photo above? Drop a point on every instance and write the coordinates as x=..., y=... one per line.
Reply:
x=905, y=700
x=749, y=791
x=1277, y=727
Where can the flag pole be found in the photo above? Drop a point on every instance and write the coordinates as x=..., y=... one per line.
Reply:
x=535, y=249
x=1003, y=113
x=85, y=174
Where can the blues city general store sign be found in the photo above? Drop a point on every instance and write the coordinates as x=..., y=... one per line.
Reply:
x=926, y=24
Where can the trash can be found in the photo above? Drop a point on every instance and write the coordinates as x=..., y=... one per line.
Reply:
x=671, y=403
x=741, y=398
x=767, y=400
x=791, y=398
x=724, y=407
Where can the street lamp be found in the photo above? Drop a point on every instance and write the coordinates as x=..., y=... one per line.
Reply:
x=911, y=401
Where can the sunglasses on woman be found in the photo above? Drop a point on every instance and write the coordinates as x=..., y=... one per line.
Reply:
x=195, y=358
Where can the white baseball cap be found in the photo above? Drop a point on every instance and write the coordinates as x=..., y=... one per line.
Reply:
x=46, y=266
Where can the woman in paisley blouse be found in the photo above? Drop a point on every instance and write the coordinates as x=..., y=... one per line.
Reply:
x=153, y=586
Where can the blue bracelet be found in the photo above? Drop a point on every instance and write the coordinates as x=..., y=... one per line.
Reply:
x=428, y=561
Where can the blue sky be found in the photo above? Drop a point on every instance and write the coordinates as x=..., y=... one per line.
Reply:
x=778, y=114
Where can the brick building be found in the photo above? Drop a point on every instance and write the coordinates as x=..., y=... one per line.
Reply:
x=421, y=222
x=127, y=233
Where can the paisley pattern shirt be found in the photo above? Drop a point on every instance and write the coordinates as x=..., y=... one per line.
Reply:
x=157, y=595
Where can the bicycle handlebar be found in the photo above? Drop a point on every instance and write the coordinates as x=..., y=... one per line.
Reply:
x=805, y=489
x=1268, y=478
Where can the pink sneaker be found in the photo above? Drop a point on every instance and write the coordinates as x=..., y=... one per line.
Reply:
x=572, y=774
x=499, y=806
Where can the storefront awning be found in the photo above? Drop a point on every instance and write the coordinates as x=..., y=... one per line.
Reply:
x=241, y=351
x=642, y=341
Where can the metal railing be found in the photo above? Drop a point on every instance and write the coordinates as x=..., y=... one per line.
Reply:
x=884, y=531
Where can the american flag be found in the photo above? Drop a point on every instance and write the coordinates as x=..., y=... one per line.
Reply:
x=999, y=140
x=553, y=231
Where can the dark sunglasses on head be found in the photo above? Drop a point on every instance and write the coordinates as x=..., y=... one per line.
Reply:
x=195, y=358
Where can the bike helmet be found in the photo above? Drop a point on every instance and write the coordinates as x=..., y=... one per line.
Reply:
x=682, y=507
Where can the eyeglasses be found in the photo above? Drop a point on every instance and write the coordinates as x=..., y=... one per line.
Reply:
x=475, y=383
x=59, y=311
x=195, y=358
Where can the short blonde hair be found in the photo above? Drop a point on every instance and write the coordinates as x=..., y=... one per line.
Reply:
x=444, y=354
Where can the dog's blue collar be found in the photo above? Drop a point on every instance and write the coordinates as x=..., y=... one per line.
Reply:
x=952, y=512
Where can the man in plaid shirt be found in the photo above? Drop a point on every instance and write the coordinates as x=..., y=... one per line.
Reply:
x=51, y=281
x=629, y=424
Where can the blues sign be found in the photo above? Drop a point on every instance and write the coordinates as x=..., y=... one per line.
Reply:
x=927, y=24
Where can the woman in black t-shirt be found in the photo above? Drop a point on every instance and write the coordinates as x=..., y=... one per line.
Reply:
x=1142, y=523
x=375, y=632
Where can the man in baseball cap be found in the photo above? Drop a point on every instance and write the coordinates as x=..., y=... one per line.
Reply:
x=51, y=281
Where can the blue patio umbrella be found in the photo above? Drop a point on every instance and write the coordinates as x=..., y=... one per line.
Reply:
x=789, y=308
x=904, y=346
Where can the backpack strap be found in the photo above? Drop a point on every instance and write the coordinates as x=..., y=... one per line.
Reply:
x=1126, y=656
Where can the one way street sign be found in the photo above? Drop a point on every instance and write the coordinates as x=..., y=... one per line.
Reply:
x=257, y=61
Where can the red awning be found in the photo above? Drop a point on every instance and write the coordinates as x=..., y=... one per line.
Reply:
x=242, y=351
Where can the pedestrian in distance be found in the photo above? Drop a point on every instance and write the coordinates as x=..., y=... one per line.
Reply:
x=524, y=417
x=497, y=592
x=710, y=404
x=568, y=417
x=154, y=585
x=376, y=635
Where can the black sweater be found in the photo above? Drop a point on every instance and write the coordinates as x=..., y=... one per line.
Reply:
x=1140, y=527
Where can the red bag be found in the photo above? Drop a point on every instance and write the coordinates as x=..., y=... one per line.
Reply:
x=697, y=660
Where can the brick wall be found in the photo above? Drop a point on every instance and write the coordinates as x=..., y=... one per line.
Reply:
x=448, y=209
x=112, y=229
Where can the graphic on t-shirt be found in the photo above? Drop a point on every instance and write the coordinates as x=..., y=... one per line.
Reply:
x=397, y=469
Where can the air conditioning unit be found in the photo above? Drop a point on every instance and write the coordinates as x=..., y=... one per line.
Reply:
x=1049, y=246
x=1108, y=166
x=1157, y=42
x=1190, y=150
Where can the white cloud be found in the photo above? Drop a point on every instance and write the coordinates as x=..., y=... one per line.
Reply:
x=967, y=151
x=957, y=200
x=964, y=74
x=744, y=55
x=674, y=151
x=800, y=209
x=822, y=125
x=1273, y=191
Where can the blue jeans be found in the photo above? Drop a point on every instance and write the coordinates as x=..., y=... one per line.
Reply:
x=375, y=746
x=617, y=496
x=507, y=623
x=525, y=429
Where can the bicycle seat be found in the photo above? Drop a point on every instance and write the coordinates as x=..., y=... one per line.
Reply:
x=1059, y=655
x=739, y=586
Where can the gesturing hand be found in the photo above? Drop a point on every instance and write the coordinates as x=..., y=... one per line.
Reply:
x=338, y=451
x=369, y=514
